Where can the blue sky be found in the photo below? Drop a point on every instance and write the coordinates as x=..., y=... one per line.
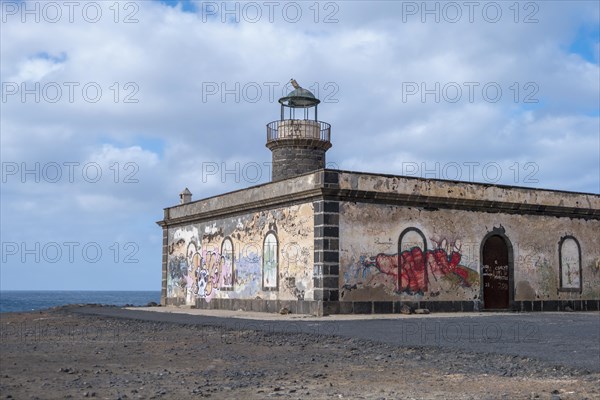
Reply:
x=110, y=109
x=585, y=43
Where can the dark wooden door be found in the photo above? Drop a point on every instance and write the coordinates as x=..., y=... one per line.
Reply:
x=495, y=274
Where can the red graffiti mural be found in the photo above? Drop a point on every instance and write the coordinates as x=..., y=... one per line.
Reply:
x=413, y=276
x=413, y=268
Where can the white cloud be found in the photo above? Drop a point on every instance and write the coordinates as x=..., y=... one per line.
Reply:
x=155, y=111
x=35, y=70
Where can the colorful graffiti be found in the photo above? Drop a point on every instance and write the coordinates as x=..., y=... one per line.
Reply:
x=176, y=276
x=413, y=269
x=247, y=281
x=259, y=255
x=226, y=282
x=263, y=255
x=199, y=273
x=196, y=272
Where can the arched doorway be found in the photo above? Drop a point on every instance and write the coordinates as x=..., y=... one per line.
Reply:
x=496, y=271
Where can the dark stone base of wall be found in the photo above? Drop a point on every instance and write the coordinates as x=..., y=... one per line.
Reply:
x=379, y=307
x=393, y=307
x=557, y=305
x=270, y=306
x=172, y=301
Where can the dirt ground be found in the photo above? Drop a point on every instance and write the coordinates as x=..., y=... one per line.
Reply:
x=58, y=354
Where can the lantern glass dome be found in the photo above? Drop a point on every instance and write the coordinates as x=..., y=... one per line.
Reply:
x=299, y=98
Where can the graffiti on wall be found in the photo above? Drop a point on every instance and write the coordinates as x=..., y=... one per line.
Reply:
x=295, y=269
x=248, y=257
x=270, y=262
x=196, y=272
x=226, y=282
x=570, y=264
x=247, y=273
x=414, y=270
x=548, y=280
x=202, y=272
x=535, y=272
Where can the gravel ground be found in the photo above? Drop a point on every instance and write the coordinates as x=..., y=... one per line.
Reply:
x=57, y=354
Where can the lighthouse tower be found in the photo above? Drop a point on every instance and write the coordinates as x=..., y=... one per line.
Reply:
x=298, y=143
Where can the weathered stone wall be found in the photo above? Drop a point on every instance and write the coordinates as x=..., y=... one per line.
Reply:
x=260, y=196
x=450, y=254
x=453, y=193
x=357, y=242
x=296, y=159
x=223, y=258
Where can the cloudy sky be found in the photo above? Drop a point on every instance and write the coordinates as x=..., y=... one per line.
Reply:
x=109, y=109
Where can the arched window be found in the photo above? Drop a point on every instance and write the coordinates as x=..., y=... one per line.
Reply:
x=270, y=262
x=412, y=274
x=227, y=265
x=569, y=256
x=412, y=237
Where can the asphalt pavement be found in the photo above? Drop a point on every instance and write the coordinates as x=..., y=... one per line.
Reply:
x=570, y=339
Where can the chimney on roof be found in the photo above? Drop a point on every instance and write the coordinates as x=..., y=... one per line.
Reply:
x=185, y=196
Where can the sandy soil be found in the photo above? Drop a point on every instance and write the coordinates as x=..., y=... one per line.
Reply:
x=57, y=354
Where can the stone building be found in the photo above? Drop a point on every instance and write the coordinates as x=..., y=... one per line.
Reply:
x=318, y=240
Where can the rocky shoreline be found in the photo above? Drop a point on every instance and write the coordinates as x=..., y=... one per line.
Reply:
x=57, y=353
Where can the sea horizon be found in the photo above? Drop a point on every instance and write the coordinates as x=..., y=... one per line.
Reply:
x=25, y=300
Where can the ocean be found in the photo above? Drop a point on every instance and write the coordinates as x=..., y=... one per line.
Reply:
x=29, y=300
